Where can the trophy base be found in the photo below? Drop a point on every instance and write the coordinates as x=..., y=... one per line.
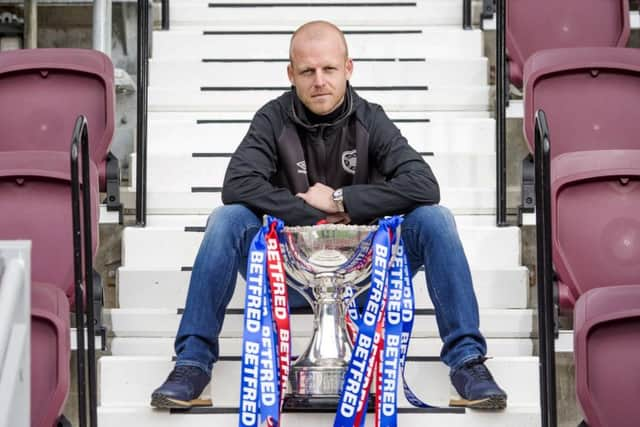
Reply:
x=329, y=404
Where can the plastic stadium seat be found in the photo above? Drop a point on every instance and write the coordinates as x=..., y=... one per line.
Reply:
x=35, y=201
x=50, y=354
x=595, y=206
x=45, y=90
x=590, y=97
x=607, y=327
x=595, y=201
x=533, y=26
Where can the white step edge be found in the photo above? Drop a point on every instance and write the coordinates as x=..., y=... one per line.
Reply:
x=173, y=248
x=521, y=416
x=166, y=289
x=437, y=117
x=434, y=72
x=137, y=346
x=108, y=217
x=132, y=322
x=564, y=342
x=177, y=133
x=129, y=380
x=183, y=171
x=461, y=201
x=423, y=42
x=439, y=98
x=181, y=221
x=515, y=110
x=74, y=340
x=433, y=13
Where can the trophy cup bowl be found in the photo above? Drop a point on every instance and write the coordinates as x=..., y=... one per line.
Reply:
x=323, y=262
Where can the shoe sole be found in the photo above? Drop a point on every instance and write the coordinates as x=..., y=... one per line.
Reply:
x=164, y=402
x=492, y=402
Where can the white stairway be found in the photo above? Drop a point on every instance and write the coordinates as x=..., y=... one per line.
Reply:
x=215, y=67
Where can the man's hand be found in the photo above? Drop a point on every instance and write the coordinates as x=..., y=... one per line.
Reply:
x=320, y=196
x=338, y=218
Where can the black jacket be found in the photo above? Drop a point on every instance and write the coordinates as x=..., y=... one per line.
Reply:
x=361, y=151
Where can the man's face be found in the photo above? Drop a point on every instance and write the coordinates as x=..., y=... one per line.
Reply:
x=319, y=70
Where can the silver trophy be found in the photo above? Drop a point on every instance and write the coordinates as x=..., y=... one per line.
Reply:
x=329, y=265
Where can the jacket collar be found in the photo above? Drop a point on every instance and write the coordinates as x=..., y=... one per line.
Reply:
x=296, y=110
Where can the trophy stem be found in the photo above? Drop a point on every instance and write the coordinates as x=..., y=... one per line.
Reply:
x=320, y=369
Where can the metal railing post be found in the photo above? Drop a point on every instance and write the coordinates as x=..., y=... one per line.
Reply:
x=82, y=236
x=141, y=136
x=501, y=115
x=466, y=14
x=165, y=14
x=546, y=303
x=30, y=24
x=102, y=13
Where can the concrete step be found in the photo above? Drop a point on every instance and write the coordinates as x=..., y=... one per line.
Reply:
x=201, y=201
x=161, y=288
x=182, y=221
x=272, y=42
x=137, y=322
x=431, y=73
x=184, y=171
x=137, y=346
x=129, y=380
x=174, y=248
x=521, y=416
x=439, y=98
x=193, y=13
x=214, y=133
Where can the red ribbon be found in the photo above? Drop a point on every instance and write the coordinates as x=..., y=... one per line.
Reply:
x=280, y=306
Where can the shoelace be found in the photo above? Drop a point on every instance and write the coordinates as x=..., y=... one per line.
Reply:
x=479, y=371
x=180, y=373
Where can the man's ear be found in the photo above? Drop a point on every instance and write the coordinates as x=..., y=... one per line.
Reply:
x=290, y=73
x=349, y=67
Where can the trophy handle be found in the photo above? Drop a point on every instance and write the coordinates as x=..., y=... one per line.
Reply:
x=301, y=291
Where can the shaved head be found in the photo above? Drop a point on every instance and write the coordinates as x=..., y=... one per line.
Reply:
x=313, y=31
x=319, y=66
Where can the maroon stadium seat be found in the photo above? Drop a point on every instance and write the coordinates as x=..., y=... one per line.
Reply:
x=595, y=205
x=590, y=97
x=607, y=354
x=533, y=26
x=35, y=201
x=50, y=353
x=45, y=90
x=595, y=217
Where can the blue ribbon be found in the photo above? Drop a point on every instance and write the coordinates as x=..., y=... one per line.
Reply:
x=356, y=372
x=387, y=411
x=259, y=388
x=252, y=335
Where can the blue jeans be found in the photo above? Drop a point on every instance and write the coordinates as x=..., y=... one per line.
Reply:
x=430, y=237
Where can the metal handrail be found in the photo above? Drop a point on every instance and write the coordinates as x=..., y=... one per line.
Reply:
x=501, y=115
x=141, y=136
x=546, y=303
x=80, y=142
x=165, y=14
x=466, y=14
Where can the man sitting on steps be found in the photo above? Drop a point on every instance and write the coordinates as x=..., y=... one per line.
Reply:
x=320, y=152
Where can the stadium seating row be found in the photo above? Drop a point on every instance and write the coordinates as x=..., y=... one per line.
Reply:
x=43, y=93
x=570, y=59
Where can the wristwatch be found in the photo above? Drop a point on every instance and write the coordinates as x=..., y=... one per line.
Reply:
x=338, y=199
